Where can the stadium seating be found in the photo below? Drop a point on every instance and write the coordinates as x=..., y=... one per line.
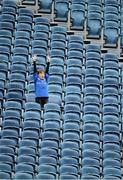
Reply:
x=78, y=133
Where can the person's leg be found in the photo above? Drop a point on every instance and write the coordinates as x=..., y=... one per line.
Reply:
x=44, y=100
x=38, y=100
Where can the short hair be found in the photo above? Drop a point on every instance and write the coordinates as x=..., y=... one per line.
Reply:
x=40, y=71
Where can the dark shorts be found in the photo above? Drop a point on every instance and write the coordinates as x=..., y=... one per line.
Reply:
x=42, y=100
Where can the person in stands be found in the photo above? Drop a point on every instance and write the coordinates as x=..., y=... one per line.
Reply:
x=41, y=81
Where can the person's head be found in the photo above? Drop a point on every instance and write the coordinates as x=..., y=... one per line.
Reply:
x=41, y=73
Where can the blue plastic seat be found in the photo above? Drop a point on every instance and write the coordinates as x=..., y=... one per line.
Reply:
x=49, y=144
x=69, y=108
x=21, y=42
x=72, y=71
x=39, y=44
x=30, y=134
x=75, y=38
x=5, y=175
x=73, y=80
x=15, y=96
x=74, y=63
x=78, y=2
x=111, y=33
x=50, y=135
x=61, y=8
x=69, y=145
x=50, y=152
x=17, y=77
x=64, y=169
x=25, y=11
x=109, y=146
x=45, y=6
x=20, y=34
x=95, y=2
x=27, y=143
x=23, y=175
x=8, y=3
x=41, y=28
x=53, y=79
x=32, y=115
x=94, y=8
x=11, y=124
x=110, y=110
x=77, y=16
x=90, y=162
x=10, y=134
x=111, y=138
x=31, y=125
x=18, y=68
x=5, y=168
x=31, y=106
x=90, y=128
x=70, y=136
x=91, y=154
x=52, y=107
x=47, y=160
x=75, y=54
x=116, y=172
x=71, y=127
x=91, y=137
x=110, y=9
x=47, y=169
x=27, y=151
x=68, y=161
x=26, y=160
x=67, y=176
x=10, y=9
x=45, y=176
x=24, y=168
x=91, y=146
x=72, y=99
x=57, y=53
x=111, y=163
x=87, y=170
x=58, y=30
x=58, y=45
x=58, y=37
x=71, y=117
x=24, y=27
x=91, y=100
x=49, y=126
x=7, y=143
x=12, y=105
x=24, y=19
x=94, y=24
x=7, y=18
x=41, y=21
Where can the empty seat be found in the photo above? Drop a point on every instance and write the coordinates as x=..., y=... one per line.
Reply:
x=45, y=6
x=22, y=175
x=94, y=24
x=61, y=9
x=77, y=16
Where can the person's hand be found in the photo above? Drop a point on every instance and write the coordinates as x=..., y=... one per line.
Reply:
x=34, y=57
x=48, y=58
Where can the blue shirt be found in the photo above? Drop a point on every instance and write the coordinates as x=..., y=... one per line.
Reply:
x=41, y=86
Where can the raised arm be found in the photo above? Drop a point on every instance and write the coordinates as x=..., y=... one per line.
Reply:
x=34, y=58
x=48, y=64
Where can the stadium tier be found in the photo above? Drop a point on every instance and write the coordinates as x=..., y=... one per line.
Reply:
x=78, y=133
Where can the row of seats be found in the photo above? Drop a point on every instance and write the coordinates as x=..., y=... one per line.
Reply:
x=111, y=118
x=91, y=117
x=67, y=142
x=95, y=20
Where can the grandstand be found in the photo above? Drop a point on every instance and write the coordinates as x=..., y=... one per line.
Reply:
x=78, y=134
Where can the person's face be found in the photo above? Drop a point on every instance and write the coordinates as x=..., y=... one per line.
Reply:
x=41, y=75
